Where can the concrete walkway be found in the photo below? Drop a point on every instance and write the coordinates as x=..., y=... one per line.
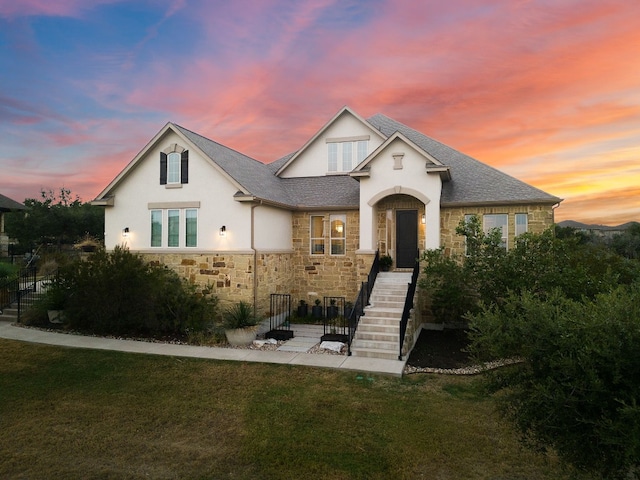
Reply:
x=341, y=362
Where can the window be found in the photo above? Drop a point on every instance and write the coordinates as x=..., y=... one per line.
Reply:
x=522, y=223
x=191, y=228
x=317, y=235
x=497, y=221
x=347, y=156
x=166, y=226
x=174, y=168
x=350, y=153
x=338, y=234
x=173, y=223
x=333, y=157
x=156, y=228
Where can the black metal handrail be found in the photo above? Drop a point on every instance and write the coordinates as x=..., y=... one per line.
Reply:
x=408, y=305
x=362, y=300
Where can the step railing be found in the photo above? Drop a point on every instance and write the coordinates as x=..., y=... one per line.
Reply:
x=408, y=305
x=362, y=300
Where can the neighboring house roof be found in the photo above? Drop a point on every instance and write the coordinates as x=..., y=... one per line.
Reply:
x=472, y=182
x=7, y=205
x=466, y=180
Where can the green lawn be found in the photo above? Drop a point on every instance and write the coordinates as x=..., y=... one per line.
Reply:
x=71, y=413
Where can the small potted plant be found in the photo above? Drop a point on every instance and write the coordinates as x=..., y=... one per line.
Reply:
x=303, y=310
x=240, y=324
x=316, y=310
x=385, y=263
x=332, y=309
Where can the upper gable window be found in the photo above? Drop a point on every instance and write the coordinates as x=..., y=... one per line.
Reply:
x=344, y=154
x=174, y=166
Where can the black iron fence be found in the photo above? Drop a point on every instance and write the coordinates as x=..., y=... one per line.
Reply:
x=280, y=317
x=18, y=290
x=335, y=324
x=362, y=300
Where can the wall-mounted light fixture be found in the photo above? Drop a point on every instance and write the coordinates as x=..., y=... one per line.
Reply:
x=223, y=231
x=424, y=219
x=125, y=232
x=339, y=228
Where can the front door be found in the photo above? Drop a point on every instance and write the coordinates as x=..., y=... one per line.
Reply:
x=406, y=238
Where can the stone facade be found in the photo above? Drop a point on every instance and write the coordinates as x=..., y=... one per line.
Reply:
x=539, y=217
x=230, y=275
x=319, y=275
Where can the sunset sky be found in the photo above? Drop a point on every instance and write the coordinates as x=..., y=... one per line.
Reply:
x=546, y=91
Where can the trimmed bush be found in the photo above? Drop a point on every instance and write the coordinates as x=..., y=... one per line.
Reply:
x=120, y=293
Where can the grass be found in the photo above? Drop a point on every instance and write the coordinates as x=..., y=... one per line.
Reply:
x=73, y=413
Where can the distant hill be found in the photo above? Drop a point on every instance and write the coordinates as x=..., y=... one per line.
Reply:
x=594, y=227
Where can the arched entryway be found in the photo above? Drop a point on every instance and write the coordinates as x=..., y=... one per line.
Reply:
x=400, y=231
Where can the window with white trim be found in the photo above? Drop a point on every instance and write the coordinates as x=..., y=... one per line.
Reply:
x=316, y=229
x=350, y=154
x=174, y=167
x=174, y=227
x=522, y=223
x=499, y=220
x=338, y=234
x=156, y=228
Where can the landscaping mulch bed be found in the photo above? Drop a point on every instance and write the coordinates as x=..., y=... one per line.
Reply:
x=443, y=349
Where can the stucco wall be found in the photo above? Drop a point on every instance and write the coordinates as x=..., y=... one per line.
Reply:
x=313, y=161
x=141, y=189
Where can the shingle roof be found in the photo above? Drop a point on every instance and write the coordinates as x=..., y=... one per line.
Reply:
x=472, y=182
x=6, y=204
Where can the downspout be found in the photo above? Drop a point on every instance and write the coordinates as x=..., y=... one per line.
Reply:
x=255, y=257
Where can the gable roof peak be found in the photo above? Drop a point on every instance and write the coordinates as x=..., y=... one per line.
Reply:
x=344, y=110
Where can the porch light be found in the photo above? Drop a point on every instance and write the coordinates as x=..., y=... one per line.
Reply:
x=223, y=231
x=125, y=232
x=424, y=219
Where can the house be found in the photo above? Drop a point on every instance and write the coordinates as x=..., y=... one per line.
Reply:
x=6, y=205
x=308, y=224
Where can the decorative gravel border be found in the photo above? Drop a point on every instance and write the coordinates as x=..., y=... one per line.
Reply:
x=471, y=370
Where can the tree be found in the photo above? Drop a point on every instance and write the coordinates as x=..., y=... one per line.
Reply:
x=56, y=219
x=576, y=390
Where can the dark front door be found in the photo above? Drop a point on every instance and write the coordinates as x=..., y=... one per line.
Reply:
x=406, y=238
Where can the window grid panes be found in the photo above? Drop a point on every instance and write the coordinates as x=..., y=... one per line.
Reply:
x=347, y=155
x=317, y=235
x=497, y=221
x=522, y=223
x=191, y=227
x=333, y=157
x=173, y=168
x=173, y=224
x=362, y=150
x=338, y=234
x=156, y=228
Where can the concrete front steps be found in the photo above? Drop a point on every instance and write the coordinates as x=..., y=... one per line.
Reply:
x=378, y=332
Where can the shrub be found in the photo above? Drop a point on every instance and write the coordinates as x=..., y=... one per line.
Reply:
x=120, y=293
x=577, y=390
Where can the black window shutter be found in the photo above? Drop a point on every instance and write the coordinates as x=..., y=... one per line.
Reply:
x=184, y=167
x=163, y=168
